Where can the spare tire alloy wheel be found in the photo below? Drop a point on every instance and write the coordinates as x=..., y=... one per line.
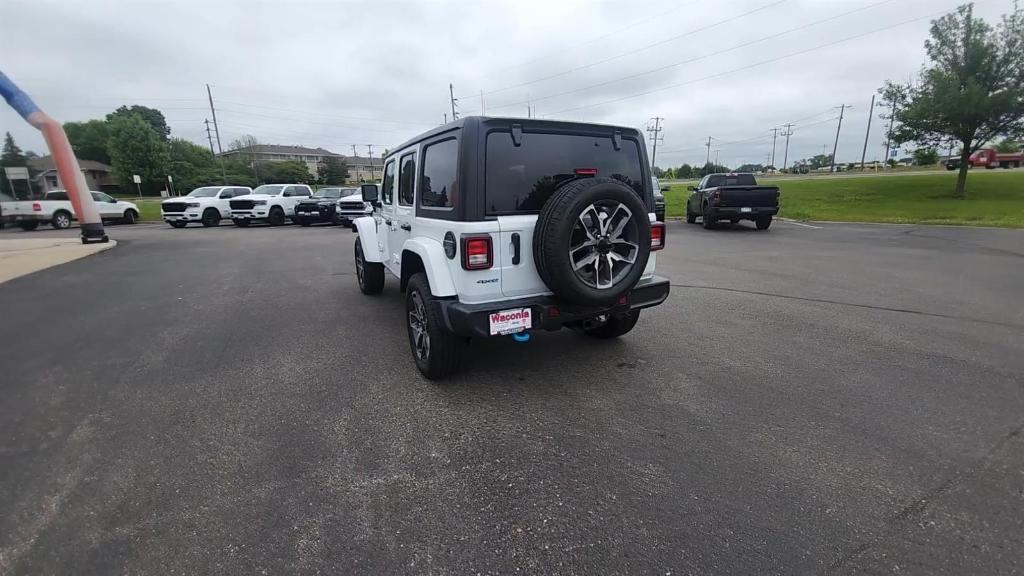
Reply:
x=592, y=241
x=605, y=244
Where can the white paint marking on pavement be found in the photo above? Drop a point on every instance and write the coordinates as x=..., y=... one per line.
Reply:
x=787, y=220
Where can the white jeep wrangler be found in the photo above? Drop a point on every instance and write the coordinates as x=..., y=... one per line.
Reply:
x=502, y=226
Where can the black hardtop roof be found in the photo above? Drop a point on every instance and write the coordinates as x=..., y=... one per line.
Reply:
x=476, y=121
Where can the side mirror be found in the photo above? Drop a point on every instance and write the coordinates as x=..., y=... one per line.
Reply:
x=691, y=188
x=370, y=194
x=112, y=200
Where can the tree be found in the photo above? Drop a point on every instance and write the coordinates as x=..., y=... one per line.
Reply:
x=135, y=148
x=247, y=147
x=658, y=172
x=11, y=155
x=191, y=166
x=973, y=89
x=332, y=170
x=893, y=99
x=287, y=172
x=1007, y=146
x=151, y=116
x=89, y=139
x=926, y=156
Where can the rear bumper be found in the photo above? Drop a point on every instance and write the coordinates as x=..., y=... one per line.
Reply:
x=738, y=212
x=15, y=218
x=474, y=319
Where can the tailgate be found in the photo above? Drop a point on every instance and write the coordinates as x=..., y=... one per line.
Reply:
x=754, y=196
x=18, y=208
x=518, y=278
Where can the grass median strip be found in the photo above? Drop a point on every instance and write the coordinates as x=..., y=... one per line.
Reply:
x=994, y=198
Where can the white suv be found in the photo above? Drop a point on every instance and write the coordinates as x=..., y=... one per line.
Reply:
x=499, y=226
x=208, y=205
x=271, y=203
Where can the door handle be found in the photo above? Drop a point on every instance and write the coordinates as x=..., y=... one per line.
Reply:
x=406, y=226
x=515, y=248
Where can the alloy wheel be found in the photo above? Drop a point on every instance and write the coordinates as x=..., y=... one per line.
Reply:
x=604, y=244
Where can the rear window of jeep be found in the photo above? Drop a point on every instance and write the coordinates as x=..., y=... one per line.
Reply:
x=520, y=179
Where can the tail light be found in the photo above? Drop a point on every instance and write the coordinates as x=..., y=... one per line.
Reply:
x=37, y=207
x=657, y=236
x=477, y=252
x=716, y=195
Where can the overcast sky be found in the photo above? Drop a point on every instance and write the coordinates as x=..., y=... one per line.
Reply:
x=334, y=73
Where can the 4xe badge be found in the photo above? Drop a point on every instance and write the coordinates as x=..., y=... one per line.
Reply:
x=511, y=321
x=487, y=281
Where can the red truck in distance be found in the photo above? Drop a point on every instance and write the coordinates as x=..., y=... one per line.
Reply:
x=989, y=158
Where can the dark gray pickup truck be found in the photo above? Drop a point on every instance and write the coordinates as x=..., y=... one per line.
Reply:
x=732, y=197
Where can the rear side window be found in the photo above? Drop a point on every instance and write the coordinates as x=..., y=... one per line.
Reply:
x=387, y=191
x=520, y=179
x=438, y=183
x=406, y=179
x=57, y=196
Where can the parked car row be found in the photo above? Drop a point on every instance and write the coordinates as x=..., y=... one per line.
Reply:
x=55, y=209
x=274, y=204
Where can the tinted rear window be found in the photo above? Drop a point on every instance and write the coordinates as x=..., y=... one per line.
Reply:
x=56, y=196
x=521, y=178
x=716, y=180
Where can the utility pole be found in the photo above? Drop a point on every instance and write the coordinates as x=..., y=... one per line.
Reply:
x=655, y=131
x=209, y=136
x=369, y=151
x=482, y=109
x=354, y=151
x=213, y=111
x=864, y=152
x=451, y=94
x=775, y=134
x=708, y=144
x=223, y=173
x=835, y=147
x=445, y=117
x=787, y=134
x=716, y=159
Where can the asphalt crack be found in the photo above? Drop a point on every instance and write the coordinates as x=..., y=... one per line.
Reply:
x=852, y=304
x=898, y=521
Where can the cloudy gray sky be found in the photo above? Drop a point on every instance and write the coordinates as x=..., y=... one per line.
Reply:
x=335, y=73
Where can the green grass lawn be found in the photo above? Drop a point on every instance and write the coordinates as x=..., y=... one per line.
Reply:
x=149, y=208
x=993, y=199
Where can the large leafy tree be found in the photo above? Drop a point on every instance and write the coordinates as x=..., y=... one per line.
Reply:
x=191, y=165
x=1008, y=145
x=332, y=170
x=286, y=172
x=135, y=148
x=972, y=89
x=89, y=139
x=151, y=116
x=926, y=156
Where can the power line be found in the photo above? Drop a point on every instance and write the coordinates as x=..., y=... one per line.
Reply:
x=775, y=134
x=318, y=115
x=697, y=58
x=613, y=33
x=640, y=49
x=748, y=66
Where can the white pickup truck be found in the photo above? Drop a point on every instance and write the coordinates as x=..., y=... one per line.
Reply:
x=270, y=203
x=207, y=205
x=55, y=209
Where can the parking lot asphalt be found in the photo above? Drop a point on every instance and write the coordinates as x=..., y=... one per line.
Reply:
x=827, y=399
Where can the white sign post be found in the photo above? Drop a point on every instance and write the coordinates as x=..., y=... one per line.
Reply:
x=18, y=173
x=138, y=180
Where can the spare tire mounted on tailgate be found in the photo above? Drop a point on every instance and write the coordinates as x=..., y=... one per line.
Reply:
x=592, y=241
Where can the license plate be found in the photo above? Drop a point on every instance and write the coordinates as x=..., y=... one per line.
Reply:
x=744, y=209
x=511, y=321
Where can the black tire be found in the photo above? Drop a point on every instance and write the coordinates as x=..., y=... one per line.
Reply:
x=709, y=222
x=28, y=225
x=370, y=275
x=178, y=224
x=211, y=217
x=615, y=326
x=277, y=217
x=763, y=222
x=336, y=219
x=443, y=351
x=61, y=220
x=241, y=222
x=691, y=218
x=556, y=227
x=130, y=216
x=734, y=220
x=304, y=222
